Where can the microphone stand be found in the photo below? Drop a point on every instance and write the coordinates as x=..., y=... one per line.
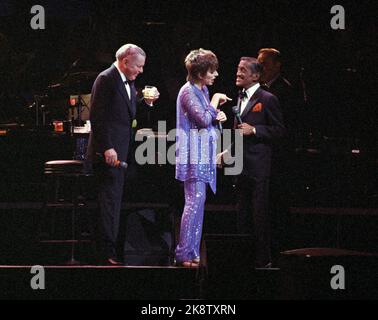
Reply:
x=310, y=134
x=303, y=84
x=36, y=111
x=80, y=103
x=40, y=109
x=72, y=120
x=79, y=107
x=80, y=139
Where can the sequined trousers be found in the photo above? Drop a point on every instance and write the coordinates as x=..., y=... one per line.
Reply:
x=188, y=247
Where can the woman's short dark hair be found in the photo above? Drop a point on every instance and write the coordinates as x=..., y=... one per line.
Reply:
x=198, y=62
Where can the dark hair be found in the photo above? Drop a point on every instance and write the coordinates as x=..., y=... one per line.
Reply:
x=253, y=64
x=273, y=53
x=199, y=62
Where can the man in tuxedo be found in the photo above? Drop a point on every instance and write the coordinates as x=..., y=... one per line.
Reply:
x=261, y=126
x=274, y=82
x=113, y=110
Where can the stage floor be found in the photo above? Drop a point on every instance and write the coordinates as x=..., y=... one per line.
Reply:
x=131, y=283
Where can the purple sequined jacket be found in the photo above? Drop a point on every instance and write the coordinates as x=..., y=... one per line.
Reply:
x=196, y=136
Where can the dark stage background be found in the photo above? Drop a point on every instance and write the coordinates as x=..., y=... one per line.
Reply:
x=338, y=67
x=334, y=71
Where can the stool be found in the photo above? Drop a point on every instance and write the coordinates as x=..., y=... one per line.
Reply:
x=307, y=274
x=57, y=174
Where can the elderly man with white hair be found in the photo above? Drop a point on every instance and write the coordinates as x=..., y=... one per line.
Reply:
x=113, y=109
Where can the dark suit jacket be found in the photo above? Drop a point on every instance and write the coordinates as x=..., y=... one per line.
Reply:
x=282, y=89
x=111, y=115
x=288, y=100
x=257, y=149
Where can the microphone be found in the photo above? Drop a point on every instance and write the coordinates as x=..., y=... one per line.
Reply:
x=121, y=164
x=220, y=127
x=118, y=164
x=235, y=110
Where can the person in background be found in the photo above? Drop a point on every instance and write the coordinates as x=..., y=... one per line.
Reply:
x=274, y=82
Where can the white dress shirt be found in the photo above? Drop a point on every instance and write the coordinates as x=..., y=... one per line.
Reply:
x=127, y=86
x=250, y=91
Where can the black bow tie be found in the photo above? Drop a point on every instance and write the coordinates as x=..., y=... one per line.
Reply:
x=242, y=94
x=129, y=82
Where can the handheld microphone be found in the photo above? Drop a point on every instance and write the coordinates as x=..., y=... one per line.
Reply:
x=118, y=164
x=235, y=110
x=220, y=127
x=121, y=164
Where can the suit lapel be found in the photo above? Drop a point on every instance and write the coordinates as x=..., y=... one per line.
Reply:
x=251, y=102
x=122, y=90
x=133, y=94
x=239, y=104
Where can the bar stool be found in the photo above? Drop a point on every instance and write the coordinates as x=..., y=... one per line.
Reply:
x=67, y=174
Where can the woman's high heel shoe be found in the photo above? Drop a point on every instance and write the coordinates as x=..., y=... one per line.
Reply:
x=188, y=264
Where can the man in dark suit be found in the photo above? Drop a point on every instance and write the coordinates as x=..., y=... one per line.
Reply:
x=113, y=110
x=261, y=126
x=274, y=82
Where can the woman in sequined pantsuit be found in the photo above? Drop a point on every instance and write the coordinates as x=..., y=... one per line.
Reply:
x=197, y=118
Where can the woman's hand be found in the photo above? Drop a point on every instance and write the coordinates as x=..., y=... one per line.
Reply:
x=219, y=99
x=221, y=116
